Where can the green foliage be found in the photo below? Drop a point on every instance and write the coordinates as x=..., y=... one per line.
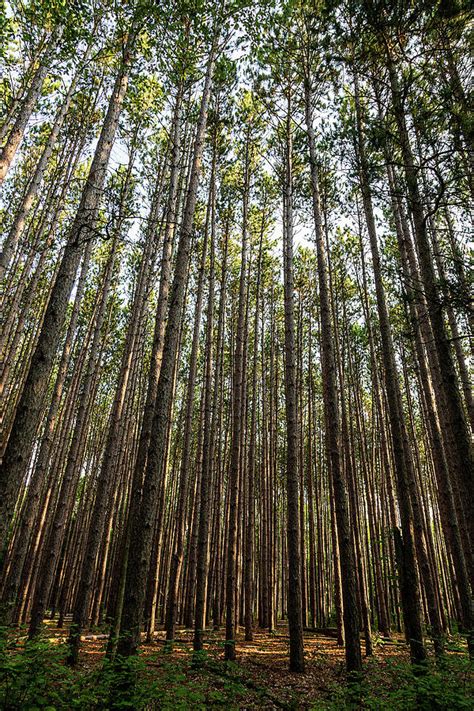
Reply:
x=144, y=99
x=34, y=675
x=73, y=16
x=396, y=686
x=7, y=32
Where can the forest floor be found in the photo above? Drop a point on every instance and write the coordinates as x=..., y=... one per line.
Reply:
x=259, y=679
x=260, y=675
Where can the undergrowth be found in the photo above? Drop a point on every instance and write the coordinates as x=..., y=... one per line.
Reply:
x=34, y=675
x=446, y=686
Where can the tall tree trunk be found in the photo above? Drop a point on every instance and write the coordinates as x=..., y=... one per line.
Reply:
x=27, y=105
x=142, y=523
x=250, y=523
x=29, y=409
x=19, y=222
x=177, y=557
x=348, y=572
x=295, y=621
x=237, y=389
x=55, y=539
x=207, y=448
x=461, y=445
x=409, y=583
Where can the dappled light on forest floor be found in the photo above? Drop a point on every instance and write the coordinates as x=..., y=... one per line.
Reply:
x=260, y=676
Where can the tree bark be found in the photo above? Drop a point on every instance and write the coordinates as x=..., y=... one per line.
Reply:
x=142, y=524
x=29, y=409
x=351, y=613
x=295, y=621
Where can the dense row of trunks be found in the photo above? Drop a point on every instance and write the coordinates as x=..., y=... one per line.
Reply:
x=200, y=428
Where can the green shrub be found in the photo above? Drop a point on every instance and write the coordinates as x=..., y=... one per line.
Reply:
x=449, y=686
x=34, y=675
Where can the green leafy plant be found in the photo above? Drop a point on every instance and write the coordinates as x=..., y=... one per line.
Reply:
x=446, y=687
x=34, y=675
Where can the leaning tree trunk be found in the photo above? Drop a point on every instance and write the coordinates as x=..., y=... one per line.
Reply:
x=163, y=292
x=141, y=526
x=109, y=463
x=52, y=546
x=409, y=582
x=19, y=222
x=421, y=325
x=30, y=406
x=177, y=556
x=31, y=504
x=461, y=446
x=16, y=134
